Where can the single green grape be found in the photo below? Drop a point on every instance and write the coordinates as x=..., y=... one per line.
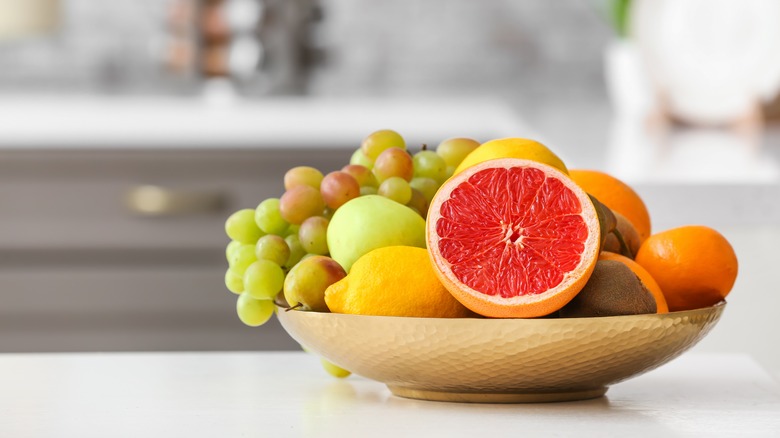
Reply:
x=397, y=189
x=378, y=141
x=338, y=188
x=450, y=171
x=426, y=186
x=263, y=279
x=231, y=247
x=292, y=229
x=307, y=281
x=418, y=203
x=362, y=175
x=241, y=226
x=302, y=175
x=428, y=164
x=333, y=369
x=368, y=190
x=454, y=150
x=296, y=251
x=234, y=282
x=313, y=235
x=241, y=258
x=394, y=162
x=274, y=248
x=359, y=158
x=302, y=202
x=269, y=219
x=253, y=312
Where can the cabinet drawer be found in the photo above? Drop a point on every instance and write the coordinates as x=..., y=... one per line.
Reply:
x=80, y=270
x=114, y=308
x=79, y=199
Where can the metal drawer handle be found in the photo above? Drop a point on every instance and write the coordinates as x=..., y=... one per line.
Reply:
x=160, y=201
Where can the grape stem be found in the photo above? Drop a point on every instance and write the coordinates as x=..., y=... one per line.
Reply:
x=293, y=307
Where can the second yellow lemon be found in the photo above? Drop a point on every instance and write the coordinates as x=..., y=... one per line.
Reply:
x=512, y=148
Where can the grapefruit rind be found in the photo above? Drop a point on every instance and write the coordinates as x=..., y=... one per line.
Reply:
x=520, y=306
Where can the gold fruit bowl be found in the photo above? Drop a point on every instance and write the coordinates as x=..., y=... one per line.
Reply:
x=499, y=360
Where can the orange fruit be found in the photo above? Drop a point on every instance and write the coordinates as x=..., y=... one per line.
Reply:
x=694, y=265
x=644, y=277
x=616, y=195
x=511, y=148
x=512, y=238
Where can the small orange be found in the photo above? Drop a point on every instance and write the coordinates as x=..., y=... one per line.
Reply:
x=694, y=265
x=644, y=277
x=616, y=195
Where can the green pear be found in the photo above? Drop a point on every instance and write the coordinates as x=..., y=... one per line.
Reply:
x=370, y=222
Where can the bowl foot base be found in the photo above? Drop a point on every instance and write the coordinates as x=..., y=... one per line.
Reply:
x=496, y=397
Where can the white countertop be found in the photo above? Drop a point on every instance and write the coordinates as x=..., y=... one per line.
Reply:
x=287, y=394
x=584, y=133
x=104, y=122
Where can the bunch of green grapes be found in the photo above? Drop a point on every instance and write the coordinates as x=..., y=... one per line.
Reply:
x=281, y=246
x=411, y=180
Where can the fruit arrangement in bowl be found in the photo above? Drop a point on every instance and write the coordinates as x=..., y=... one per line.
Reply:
x=475, y=272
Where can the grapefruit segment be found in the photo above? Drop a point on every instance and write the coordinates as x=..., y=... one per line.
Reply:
x=513, y=238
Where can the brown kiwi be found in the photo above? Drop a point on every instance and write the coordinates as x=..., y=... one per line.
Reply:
x=607, y=219
x=630, y=238
x=613, y=289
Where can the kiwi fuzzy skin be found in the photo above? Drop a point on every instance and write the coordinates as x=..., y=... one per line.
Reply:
x=612, y=290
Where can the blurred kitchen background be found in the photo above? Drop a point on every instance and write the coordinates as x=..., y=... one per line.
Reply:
x=130, y=129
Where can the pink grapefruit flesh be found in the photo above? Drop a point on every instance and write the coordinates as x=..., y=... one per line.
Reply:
x=513, y=238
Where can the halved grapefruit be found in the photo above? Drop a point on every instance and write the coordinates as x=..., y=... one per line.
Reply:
x=512, y=238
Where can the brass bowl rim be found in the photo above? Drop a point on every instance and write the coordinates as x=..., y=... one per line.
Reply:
x=680, y=313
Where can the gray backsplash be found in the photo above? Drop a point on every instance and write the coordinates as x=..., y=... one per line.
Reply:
x=369, y=47
x=462, y=46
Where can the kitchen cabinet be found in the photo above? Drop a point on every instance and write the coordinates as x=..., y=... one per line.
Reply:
x=84, y=267
x=113, y=208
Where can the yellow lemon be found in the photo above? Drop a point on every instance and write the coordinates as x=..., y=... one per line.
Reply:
x=512, y=148
x=393, y=281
